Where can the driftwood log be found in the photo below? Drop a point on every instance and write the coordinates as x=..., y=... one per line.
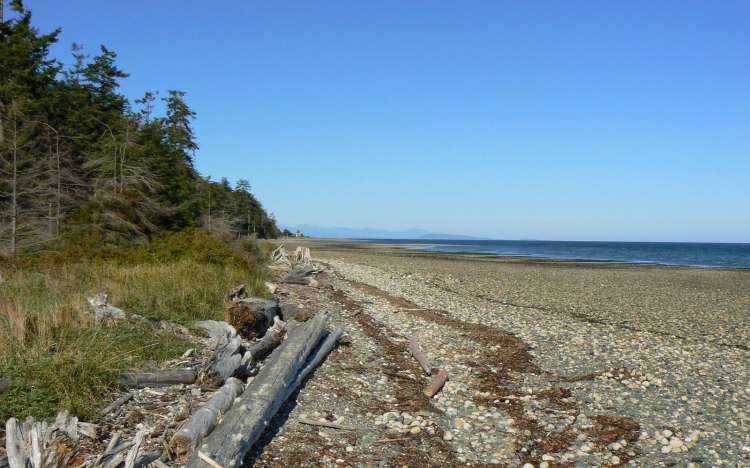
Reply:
x=204, y=420
x=157, y=378
x=241, y=427
x=279, y=256
x=227, y=356
x=115, y=405
x=318, y=356
x=419, y=356
x=260, y=349
x=436, y=383
x=232, y=357
x=252, y=316
x=41, y=445
x=301, y=256
x=302, y=275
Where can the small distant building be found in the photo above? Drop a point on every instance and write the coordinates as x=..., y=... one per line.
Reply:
x=298, y=234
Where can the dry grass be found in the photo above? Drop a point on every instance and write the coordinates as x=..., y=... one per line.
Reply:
x=56, y=357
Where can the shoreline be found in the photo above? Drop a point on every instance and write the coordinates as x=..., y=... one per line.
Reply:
x=661, y=350
x=423, y=249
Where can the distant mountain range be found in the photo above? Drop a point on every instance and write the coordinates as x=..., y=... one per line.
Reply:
x=370, y=233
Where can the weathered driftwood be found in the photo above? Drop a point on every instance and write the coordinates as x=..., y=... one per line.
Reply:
x=132, y=455
x=41, y=445
x=302, y=275
x=318, y=356
x=232, y=357
x=279, y=256
x=260, y=349
x=252, y=316
x=157, y=378
x=227, y=356
x=260, y=401
x=147, y=458
x=4, y=461
x=419, y=356
x=332, y=425
x=436, y=383
x=116, y=404
x=219, y=331
x=103, y=311
x=301, y=256
x=203, y=421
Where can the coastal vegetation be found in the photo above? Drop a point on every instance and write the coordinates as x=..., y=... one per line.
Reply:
x=100, y=194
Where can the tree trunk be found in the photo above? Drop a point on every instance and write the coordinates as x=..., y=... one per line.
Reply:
x=241, y=428
x=14, y=196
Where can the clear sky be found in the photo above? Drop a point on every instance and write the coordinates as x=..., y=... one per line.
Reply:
x=570, y=120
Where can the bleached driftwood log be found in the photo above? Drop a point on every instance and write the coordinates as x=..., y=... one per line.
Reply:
x=115, y=405
x=301, y=275
x=419, y=356
x=232, y=357
x=260, y=401
x=252, y=316
x=228, y=351
x=157, y=378
x=436, y=383
x=217, y=330
x=318, y=356
x=40, y=445
x=301, y=256
x=260, y=349
x=279, y=256
x=204, y=420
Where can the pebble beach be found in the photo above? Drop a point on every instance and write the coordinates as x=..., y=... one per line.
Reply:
x=564, y=364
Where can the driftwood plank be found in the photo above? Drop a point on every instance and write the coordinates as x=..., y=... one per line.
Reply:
x=204, y=420
x=157, y=378
x=242, y=426
x=419, y=356
x=436, y=383
x=311, y=422
x=116, y=404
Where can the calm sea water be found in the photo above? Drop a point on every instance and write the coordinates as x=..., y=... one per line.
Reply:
x=665, y=253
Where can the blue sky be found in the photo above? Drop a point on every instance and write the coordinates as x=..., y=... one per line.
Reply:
x=560, y=119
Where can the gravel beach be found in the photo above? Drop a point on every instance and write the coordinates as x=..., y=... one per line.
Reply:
x=550, y=364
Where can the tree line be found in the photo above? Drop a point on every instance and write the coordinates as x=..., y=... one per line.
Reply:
x=77, y=158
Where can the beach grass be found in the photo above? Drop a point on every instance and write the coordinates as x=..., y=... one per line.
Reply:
x=57, y=358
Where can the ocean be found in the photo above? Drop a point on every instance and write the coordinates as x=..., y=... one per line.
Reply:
x=707, y=255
